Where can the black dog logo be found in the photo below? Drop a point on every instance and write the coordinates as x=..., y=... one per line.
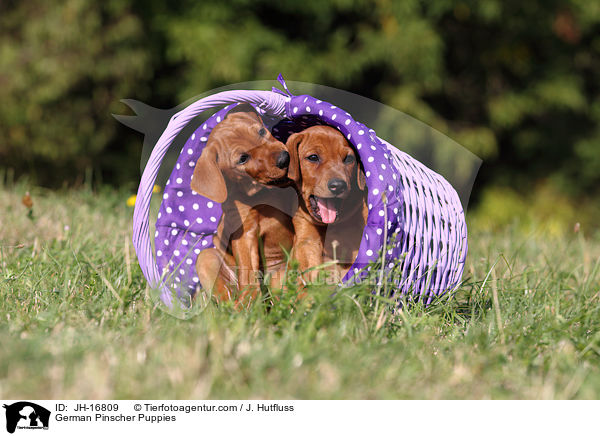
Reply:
x=26, y=415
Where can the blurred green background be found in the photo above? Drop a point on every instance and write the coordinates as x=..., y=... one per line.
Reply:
x=516, y=82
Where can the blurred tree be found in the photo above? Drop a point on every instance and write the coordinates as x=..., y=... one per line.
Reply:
x=515, y=82
x=63, y=67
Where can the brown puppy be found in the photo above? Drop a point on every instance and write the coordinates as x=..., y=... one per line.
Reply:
x=332, y=208
x=240, y=167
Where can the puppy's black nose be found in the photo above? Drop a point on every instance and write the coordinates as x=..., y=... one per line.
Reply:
x=283, y=160
x=337, y=186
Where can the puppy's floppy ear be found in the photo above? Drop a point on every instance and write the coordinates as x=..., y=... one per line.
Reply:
x=292, y=145
x=208, y=179
x=360, y=177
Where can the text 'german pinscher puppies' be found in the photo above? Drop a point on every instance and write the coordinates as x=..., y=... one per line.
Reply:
x=332, y=210
x=242, y=167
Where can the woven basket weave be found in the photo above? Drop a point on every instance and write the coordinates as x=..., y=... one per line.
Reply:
x=415, y=226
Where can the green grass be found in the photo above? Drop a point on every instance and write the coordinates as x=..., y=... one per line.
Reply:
x=525, y=324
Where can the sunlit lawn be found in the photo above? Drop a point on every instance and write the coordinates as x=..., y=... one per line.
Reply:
x=76, y=321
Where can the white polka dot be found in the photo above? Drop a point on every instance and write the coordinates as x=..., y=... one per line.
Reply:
x=165, y=196
x=383, y=167
x=168, y=181
x=181, y=208
x=174, y=232
x=188, y=261
x=180, y=193
x=391, y=265
x=178, y=166
x=156, y=234
x=176, y=252
x=182, y=271
x=199, y=220
x=179, y=180
x=159, y=215
x=213, y=219
x=375, y=191
x=195, y=279
x=184, y=241
x=379, y=231
x=361, y=132
x=166, y=241
x=321, y=112
x=194, y=193
x=394, y=176
x=381, y=213
x=295, y=110
x=368, y=174
x=204, y=127
x=358, y=146
x=390, y=188
x=349, y=136
x=192, y=163
x=195, y=206
x=396, y=210
x=193, y=234
x=193, y=136
x=169, y=210
x=347, y=122
x=204, y=139
x=190, y=151
x=186, y=223
x=177, y=279
x=173, y=224
x=370, y=206
x=307, y=108
x=218, y=119
x=371, y=159
x=197, y=251
x=380, y=177
x=209, y=204
x=334, y=116
x=369, y=253
x=333, y=107
x=204, y=243
x=159, y=253
x=355, y=270
x=318, y=101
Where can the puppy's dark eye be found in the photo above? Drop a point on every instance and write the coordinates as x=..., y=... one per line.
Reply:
x=262, y=132
x=313, y=157
x=349, y=159
x=244, y=157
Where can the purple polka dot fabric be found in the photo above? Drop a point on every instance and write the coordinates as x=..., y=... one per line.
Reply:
x=187, y=222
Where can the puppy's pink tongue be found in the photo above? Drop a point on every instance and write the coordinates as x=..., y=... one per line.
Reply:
x=327, y=209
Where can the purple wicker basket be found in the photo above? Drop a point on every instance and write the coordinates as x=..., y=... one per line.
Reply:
x=417, y=228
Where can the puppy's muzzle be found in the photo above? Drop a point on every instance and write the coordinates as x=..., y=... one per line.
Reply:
x=337, y=186
x=283, y=160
